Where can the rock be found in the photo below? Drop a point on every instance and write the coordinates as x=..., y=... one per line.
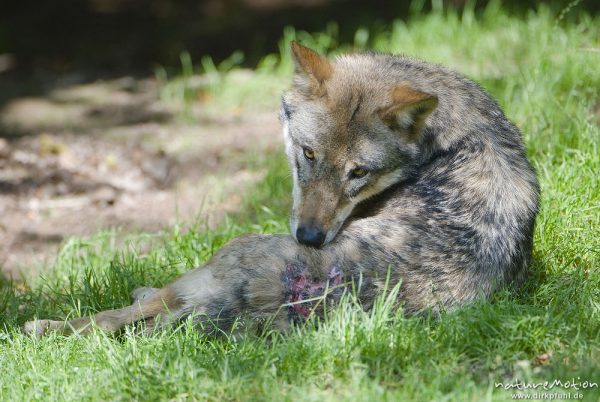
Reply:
x=4, y=148
x=105, y=195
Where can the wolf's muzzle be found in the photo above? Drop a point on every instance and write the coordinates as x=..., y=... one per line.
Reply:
x=310, y=236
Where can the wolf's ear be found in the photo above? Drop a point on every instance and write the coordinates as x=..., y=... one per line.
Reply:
x=408, y=110
x=312, y=70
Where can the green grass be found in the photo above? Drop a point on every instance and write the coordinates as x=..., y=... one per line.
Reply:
x=543, y=71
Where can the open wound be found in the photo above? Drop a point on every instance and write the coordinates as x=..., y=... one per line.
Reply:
x=304, y=292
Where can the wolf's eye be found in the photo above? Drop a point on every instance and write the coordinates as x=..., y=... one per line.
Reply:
x=358, y=173
x=309, y=153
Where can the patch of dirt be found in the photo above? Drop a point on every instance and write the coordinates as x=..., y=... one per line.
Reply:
x=111, y=154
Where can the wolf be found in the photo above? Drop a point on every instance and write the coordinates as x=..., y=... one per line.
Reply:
x=404, y=174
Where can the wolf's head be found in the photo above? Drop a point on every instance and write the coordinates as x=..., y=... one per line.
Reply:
x=351, y=129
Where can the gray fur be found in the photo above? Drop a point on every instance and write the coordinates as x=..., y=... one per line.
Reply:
x=448, y=206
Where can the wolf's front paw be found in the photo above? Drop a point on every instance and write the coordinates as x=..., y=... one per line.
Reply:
x=39, y=327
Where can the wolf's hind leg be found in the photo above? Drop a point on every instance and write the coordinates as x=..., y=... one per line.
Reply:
x=265, y=278
x=163, y=303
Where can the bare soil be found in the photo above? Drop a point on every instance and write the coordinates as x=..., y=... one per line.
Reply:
x=110, y=154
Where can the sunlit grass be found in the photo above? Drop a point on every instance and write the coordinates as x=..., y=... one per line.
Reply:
x=542, y=71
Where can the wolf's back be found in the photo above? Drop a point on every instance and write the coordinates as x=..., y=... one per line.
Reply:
x=464, y=218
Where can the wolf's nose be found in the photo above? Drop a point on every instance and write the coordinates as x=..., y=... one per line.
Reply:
x=310, y=236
